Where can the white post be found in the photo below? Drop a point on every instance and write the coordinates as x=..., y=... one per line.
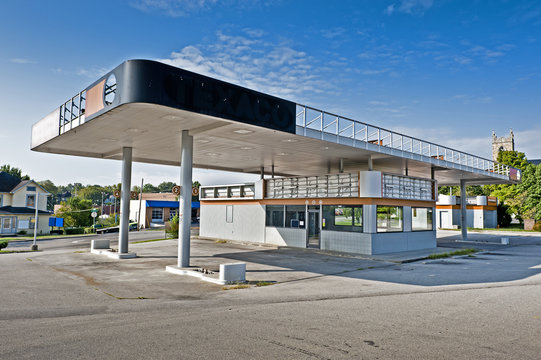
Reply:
x=463, y=213
x=125, y=195
x=35, y=244
x=185, y=200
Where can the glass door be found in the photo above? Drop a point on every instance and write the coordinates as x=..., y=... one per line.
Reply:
x=313, y=229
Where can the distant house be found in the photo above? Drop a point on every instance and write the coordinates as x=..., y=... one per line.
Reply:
x=481, y=212
x=18, y=205
x=158, y=208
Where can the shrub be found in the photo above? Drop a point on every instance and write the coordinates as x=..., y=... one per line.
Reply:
x=21, y=232
x=504, y=219
x=537, y=227
x=75, y=230
x=173, y=228
x=57, y=232
x=3, y=244
x=89, y=230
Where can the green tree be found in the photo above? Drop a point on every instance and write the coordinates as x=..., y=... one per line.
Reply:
x=471, y=190
x=76, y=212
x=149, y=188
x=49, y=186
x=513, y=158
x=529, y=191
x=93, y=193
x=14, y=172
x=166, y=186
x=510, y=194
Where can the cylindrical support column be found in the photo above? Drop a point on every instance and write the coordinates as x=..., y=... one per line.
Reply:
x=341, y=166
x=185, y=200
x=272, y=171
x=463, y=213
x=125, y=196
x=262, y=173
x=370, y=163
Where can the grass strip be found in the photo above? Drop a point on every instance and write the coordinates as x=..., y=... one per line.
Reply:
x=453, y=253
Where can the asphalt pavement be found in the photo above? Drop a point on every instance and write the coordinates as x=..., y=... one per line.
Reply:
x=65, y=303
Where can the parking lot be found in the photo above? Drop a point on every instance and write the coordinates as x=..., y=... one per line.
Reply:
x=64, y=302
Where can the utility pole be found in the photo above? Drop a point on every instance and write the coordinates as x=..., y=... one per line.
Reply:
x=140, y=200
x=35, y=244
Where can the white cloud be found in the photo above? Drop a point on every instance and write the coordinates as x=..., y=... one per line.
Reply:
x=451, y=138
x=92, y=72
x=374, y=71
x=412, y=7
x=22, y=61
x=173, y=8
x=527, y=141
x=333, y=33
x=253, y=62
x=471, y=99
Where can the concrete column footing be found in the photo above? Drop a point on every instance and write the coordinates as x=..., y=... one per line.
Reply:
x=200, y=273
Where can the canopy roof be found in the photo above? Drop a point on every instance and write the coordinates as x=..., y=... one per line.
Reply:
x=145, y=105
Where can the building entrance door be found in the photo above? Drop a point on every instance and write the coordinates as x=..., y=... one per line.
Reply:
x=313, y=229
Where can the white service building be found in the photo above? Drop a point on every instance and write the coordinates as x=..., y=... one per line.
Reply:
x=327, y=181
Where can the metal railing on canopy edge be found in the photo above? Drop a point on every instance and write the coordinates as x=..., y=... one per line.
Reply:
x=326, y=123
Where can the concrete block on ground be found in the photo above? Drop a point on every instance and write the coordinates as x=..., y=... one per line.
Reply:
x=100, y=244
x=505, y=241
x=233, y=272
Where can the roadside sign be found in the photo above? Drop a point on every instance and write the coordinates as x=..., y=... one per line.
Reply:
x=94, y=214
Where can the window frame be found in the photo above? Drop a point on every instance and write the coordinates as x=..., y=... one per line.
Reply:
x=329, y=219
x=388, y=213
x=229, y=214
x=31, y=196
x=431, y=217
x=271, y=218
x=300, y=215
x=152, y=218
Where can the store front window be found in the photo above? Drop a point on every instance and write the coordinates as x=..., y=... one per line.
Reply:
x=274, y=215
x=390, y=219
x=343, y=218
x=421, y=219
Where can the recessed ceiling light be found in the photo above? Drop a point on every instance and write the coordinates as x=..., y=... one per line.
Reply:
x=109, y=140
x=281, y=154
x=212, y=154
x=135, y=131
x=243, y=131
x=290, y=140
x=324, y=148
x=246, y=148
x=202, y=141
x=170, y=117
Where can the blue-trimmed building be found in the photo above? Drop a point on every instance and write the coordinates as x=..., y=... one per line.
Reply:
x=158, y=208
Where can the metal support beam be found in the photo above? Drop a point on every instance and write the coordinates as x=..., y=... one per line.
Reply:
x=370, y=163
x=341, y=166
x=185, y=200
x=125, y=196
x=463, y=218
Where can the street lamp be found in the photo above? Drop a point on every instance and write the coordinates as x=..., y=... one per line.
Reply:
x=35, y=244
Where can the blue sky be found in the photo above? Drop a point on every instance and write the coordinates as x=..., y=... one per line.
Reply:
x=445, y=71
